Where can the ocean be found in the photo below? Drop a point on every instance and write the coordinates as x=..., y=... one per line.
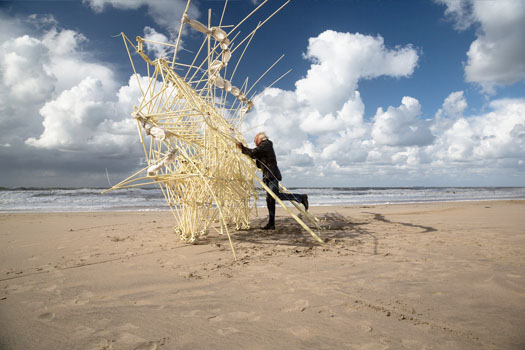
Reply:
x=151, y=199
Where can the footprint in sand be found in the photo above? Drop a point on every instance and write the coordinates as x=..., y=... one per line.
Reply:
x=83, y=298
x=236, y=316
x=227, y=331
x=83, y=332
x=325, y=311
x=99, y=344
x=19, y=288
x=47, y=316
x=299, y=305
x=192, y=313
x=370, y=346
x=147, y=346
x=129, y=338
x=301, y=332
x=241, y=315
x=50, y=288
x=366, y=326
x=127, y=327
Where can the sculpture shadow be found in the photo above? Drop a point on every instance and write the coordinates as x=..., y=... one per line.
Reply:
x=335, y=228
x=288, y=231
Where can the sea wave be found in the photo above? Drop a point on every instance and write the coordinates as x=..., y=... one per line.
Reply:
x=152, y=199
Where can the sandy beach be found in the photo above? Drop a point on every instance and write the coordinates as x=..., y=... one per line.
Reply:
x=417, y=276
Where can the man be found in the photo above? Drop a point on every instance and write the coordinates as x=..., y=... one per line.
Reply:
x=265, y=160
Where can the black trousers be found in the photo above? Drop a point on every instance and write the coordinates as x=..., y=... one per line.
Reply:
x=273, y=184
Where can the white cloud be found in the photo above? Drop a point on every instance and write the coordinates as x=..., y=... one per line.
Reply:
x=36, y=69
x=460, y=11
x=319, y=130
x=81, y=119
x=63, y=42
x=84, y=126
x=85, y=119
x=341, y=59
x=11, y=27
x=165, y=13
x=153, y=35
x=130, y=94
x=322, y=121
x=274, y=115
x=452, y=109
x=350, y=116
x=500, y=133
x=67, y=118
x=485, y=139
x=22, y=62
x=455, y=104
x=402, y=126
x=326, y=104
x=497, y=56
x=69, y=65
x=57, y=102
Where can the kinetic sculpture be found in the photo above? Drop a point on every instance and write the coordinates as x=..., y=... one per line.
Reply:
x=188, y=120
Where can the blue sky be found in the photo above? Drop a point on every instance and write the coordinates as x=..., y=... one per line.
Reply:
x=381, y=93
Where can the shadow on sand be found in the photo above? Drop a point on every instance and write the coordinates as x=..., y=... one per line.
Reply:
x=336, y=229
x=287, y=231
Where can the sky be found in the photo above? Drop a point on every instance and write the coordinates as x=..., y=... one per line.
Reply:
x=381, y=93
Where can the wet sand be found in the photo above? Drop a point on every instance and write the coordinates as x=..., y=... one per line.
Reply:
x=418, y=276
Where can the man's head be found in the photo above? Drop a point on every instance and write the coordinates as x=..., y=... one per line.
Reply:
x=260, y=137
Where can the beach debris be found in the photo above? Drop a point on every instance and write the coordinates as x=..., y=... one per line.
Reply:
x=189, y=119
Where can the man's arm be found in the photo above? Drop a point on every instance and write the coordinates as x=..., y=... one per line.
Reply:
x=256, y=152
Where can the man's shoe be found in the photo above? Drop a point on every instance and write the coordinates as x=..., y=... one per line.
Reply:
x=304, y=201
x=269, y=227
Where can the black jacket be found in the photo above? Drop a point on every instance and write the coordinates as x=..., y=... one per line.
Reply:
x=265, y=159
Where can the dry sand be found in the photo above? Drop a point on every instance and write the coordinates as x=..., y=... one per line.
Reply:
x=418, y=276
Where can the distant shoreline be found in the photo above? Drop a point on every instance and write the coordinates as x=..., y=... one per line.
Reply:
x=36, y=188
x=167, y=209
x=152, y=199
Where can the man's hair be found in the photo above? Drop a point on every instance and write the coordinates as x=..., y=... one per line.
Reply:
x=262, y=135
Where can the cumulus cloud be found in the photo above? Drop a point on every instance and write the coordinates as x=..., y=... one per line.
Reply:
x=23, y=61
x=320, y=130
x=11, y=27
x=453, y=108
x=341, y=59
x=35, y=69
x=497, y=56
x=82, y=119
x=156, y=49
x=56, y=100
x=487, y=139
x=166, y=14
x=64, y=110
x=455, y=104
x=402, y=126
x=326, y=108
x=85, y=119
x=460, y=11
